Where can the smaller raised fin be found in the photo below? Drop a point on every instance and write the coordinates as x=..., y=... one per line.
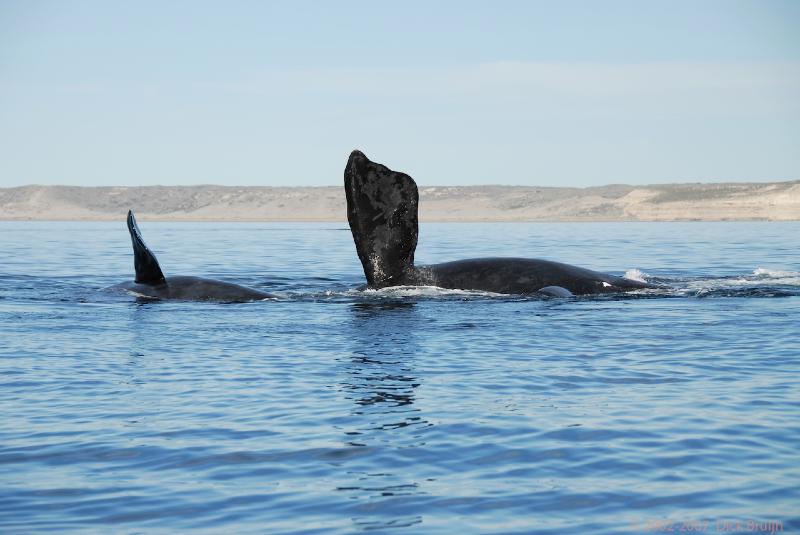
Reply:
x=144, y=261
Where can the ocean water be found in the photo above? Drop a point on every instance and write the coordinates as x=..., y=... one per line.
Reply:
x=412, y=410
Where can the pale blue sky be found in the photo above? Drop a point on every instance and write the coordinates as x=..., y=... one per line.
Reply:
x=454, y=93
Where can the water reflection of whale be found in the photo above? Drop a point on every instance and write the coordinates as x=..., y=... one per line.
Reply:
x=380, y=381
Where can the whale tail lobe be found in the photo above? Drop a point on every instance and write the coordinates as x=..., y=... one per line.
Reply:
x=382, y=212
x=144, y=261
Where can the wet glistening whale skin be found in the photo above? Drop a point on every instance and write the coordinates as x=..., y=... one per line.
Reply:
x=382, y=211
x=151, y=283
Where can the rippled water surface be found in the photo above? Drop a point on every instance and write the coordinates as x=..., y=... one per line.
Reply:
x=412, y=410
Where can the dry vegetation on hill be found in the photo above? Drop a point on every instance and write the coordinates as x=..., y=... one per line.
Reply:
x=669, y=202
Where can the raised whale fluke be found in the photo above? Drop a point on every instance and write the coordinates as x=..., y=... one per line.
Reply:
x=382, y=212
x=150, y=281
x=382, y=208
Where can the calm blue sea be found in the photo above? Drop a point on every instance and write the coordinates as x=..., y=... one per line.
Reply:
x=412, y=410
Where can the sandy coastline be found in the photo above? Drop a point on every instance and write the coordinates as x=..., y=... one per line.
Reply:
x=775, y=201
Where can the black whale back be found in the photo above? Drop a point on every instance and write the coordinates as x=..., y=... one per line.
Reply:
x=144, y=261
x=382, y=212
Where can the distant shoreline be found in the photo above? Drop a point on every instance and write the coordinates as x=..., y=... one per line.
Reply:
x=344, y=221
x=770, y=201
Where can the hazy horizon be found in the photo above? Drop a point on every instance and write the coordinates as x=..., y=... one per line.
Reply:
x=574, y=94
x=476, y=185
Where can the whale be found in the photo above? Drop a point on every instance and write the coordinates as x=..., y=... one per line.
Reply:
x=150, y=282
x=382, y=211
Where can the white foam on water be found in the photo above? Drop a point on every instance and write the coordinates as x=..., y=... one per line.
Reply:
x=774, y=273
x=427, y=291
x=759, y=278
x=137, y=294
x=635, y=275
x=766, y=276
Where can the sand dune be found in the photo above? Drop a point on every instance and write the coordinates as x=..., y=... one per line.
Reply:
x=777, y=201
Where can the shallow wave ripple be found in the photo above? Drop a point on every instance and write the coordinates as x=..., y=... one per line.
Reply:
x=409, y=411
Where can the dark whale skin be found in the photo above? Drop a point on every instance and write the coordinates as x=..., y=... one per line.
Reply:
x=382, y=210
x=182, y=288
x=519, y=276
x=150, y=282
